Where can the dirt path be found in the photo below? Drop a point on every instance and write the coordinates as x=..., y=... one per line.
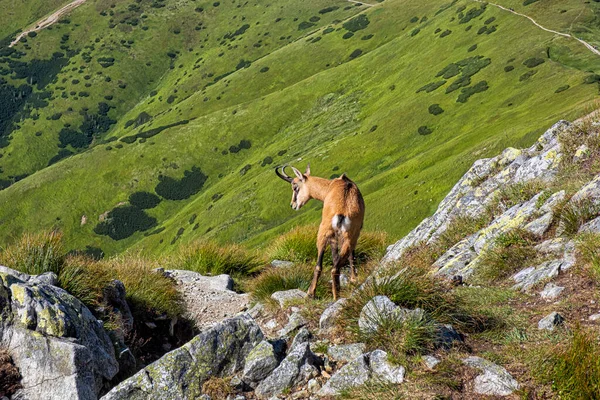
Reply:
x=360, y=2
x=586, y=44
x=46, y=22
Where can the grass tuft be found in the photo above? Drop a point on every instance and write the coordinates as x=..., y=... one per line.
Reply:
x=273, y=280
x=35, y=254
x=511, y=195
x=574, y=214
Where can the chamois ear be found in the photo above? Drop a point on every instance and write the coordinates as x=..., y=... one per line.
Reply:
x=307, y=173
x=299, y=174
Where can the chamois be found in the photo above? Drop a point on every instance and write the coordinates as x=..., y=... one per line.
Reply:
x=341, y=221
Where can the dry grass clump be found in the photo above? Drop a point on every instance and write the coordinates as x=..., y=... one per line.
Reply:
x=218, y=388
x=35, y=254
x=10, y=378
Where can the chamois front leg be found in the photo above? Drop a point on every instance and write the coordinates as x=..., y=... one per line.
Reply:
x=322, y=239
x=353, y=276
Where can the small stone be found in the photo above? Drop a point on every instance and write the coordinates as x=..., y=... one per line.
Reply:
x=594, y=317
x=346, y=352
x=551, y=291
x=271, y=324
x=550, y=321
x=281, y=264
x=259, y=363
x=313, y=386
x=495, y=380
x=446, y=337
x=257, y=310
x=302, y=394
x=287, y=295
x=385, y=370
x=377, y=308
x=303, y=336
x=430, y=361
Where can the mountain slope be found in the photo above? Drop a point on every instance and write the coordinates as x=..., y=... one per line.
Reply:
x=198, y=117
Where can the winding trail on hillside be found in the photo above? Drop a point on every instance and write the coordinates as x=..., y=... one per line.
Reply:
x=361, y=3
x=567, y=35
x=50, y=20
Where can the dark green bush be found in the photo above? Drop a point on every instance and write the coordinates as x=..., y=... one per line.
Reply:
x=305, y=25
x=472, y=13
x=445, y=33
x=357, y=23
x=470, y=91
x=366, y=37
x=424, y=130
x=144, y=200
x=430, y=87
x=347, y=35
x=179, y=189
x=355, y=53
x=508, y=68
x=328, y=9
x=314, y=19
x=562, y=89
x=415, y=32
x=124, y=221
x=594, y=78
x=435, y=109
x=528, y=2
x=533, y=62
x=472, y=48
x=527, y=75
x=414, y=19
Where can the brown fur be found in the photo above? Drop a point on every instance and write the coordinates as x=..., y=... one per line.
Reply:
x=340, y=197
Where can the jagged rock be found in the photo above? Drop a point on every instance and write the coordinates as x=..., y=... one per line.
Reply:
x=550, y=321
x=179, y=374
x=591, y=191
x=313, y=386
x=353, y=374
x=377, y=308
x=257, y=310
x=495, y=380
x=303, y=336
x=551, y=291
x=59, y=347
x=592, y=226
x=540, y=225
x=446, y=336
x=260, y=362
x=281, y=264
x=47, y=278
x=553, y=201
x=296, y=321
x=346, y=352
x=383, y=369
x=581, y=153
x=271, y=324
x=287, y=295
x=430, y=361
x=331, y=313
x=475, y=190
x=287, y=374
x=457, y=259
x=529, y=277
x=217, y=282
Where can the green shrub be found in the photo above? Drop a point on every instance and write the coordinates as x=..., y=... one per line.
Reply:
x=472, y=48
x=533, y=62
x=445, y=33
x=472, y=13
x=123, y=221
x=424, y=130
x=511, y=195
x=588, y=250
x=470, y=91
x=208, y=258
x=179, y=189
x=415, y=32
x=35, y=254
x=347, y=35
x=144, y=200
x=305, y=25
x=430, y=87
x=355, y=53
x=367, y=37
x=508, y=68
x=357, y=23
x=562, y=88
x=590, y=79
x=435, y=109
x=528, y=2
x=328, y=9
x=414, y=19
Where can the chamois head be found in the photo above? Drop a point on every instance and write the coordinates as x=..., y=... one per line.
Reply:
x=300, y=191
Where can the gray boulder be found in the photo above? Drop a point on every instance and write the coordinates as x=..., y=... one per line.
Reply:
x=295, y=321
x=551, y=291
x=377, y=308
x=331, y=314
x=431, y=361
x=288, y=295
x=259, y=363
x=60, y=348
x=218, y=351
x=384, y=370
x=550, y=321
x=495, y=380
x=114, y=297
x=287, y=374
x=353, y=374
x=346, y=352
x=281, y=264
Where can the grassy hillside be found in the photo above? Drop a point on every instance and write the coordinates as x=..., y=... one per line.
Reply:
x=188, y=106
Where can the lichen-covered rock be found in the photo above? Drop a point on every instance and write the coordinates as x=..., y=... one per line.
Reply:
x=550, y=321
x=431, y=361
x=540, y=225
x=281, y=264
x=114, y=296
x=527, y=278
x=288, y=295
x=377, y=308
x=495, y=380
x=353, y=374
x=331, y=314
x=260, y=362
x=287, y=374
x=475, y=190
x=218, y=351
x=303, y=336
x=592, y=226
x=60, y=348
x=295, y=321
x=551, y=291
x=383, y=369
x=346, y=352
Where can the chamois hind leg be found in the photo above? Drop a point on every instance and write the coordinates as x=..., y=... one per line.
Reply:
x=325, y=232
x=334, y=244
x=353, y=275
x=344, y=254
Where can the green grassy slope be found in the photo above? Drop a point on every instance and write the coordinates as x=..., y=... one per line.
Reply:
x=18, y=14
x=219, y=107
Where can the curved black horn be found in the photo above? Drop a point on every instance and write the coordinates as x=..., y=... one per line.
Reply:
x=282, y=174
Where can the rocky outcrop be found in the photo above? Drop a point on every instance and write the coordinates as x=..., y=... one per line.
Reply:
x=285, y=296
x=59, y=347
x=353, y=374
x=217, y=351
